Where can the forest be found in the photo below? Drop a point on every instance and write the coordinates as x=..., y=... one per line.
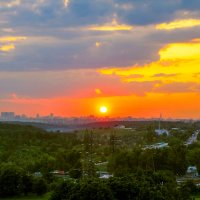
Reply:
x=34, y=162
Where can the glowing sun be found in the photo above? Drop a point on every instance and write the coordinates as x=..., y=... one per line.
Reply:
x=103, y=109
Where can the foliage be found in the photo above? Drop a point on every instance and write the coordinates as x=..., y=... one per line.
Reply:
x=14, y=181
x=160, y=186
x=127, y=161
x=11, y=181
x=92, y=189
x=139, y=173
x=63, y=190
x=39, y=186
x=36, y=150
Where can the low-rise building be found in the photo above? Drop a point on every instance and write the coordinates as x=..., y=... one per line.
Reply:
x=159, y=145
x=192, y=171
x=161, y=131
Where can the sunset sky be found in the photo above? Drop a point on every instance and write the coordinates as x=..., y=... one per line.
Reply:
x=139, y=58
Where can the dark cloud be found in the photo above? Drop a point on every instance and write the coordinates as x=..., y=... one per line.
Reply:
x=87, y=12
x=62, y=41
x=149, y=12
x=193, y=5
x=45, y=53
x=54, y=13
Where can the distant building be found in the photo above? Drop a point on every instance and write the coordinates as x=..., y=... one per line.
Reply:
x=159, y=145
x=51, y=115
x=175, y=129
x=193, y=138
x=120, y=127
x=38, y=174
x=192, y=171
x=8, y=116
x=161, y=131
x=105, y=175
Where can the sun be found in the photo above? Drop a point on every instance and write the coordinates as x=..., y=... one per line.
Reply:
x=103, y=109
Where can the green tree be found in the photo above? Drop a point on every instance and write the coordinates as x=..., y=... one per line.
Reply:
x=124, y=188
x=11, y=183
x=63, y=190
x=39, y=186
x=27, y=183
x=92, y=189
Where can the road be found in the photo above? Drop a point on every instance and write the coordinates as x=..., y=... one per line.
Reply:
x=193, y=138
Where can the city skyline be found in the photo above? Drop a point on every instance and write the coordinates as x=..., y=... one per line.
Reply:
x=12, y=116
x=71, y=57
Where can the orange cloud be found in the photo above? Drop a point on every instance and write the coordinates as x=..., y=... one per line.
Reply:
x=183, y=23
x=98, y=91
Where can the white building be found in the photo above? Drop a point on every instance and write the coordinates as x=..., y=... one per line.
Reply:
x=192, y=170
x=159, y=145
x=161, y=132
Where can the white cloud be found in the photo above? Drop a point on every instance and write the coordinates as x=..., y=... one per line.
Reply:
x=66, y=2
x=10, y=4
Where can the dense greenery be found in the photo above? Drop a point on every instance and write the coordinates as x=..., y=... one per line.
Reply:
x=141, y=186
x=35, y=150
x=127, y=161
x=15, y=181
x=139, y=173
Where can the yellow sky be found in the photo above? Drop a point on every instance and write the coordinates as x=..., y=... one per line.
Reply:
x=179, y=62
x=181, y=23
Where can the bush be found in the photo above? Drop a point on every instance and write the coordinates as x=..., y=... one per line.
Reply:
x=39, y=186
x=62, y=190
x=75, y=173
x=11, y=183
x=92, y=190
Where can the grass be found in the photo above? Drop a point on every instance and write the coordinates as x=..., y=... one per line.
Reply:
x=45, y=197
x=196, y=197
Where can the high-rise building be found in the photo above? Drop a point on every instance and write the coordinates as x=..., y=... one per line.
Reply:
x=8, y=116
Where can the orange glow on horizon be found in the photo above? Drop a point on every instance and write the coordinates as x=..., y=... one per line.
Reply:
x=150, y=105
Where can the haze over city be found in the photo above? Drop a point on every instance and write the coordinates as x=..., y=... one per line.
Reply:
x=73, y=57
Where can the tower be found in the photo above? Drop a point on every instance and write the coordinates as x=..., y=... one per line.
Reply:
x=159, y=124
